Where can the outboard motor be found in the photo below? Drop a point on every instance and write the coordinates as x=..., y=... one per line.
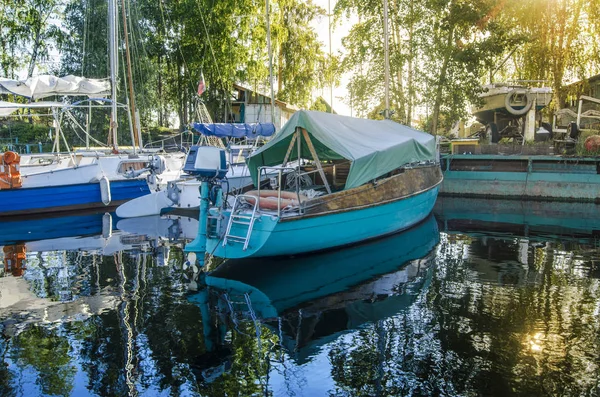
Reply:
x=157, y=164
x=209, y=165
x=206, y=162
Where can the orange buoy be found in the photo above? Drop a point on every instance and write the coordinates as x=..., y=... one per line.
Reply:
x=10, y=176
x=11, y=158
x=592, y=143
x=14, y=256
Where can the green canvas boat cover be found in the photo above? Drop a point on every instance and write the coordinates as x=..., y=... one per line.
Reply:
x=375, y=147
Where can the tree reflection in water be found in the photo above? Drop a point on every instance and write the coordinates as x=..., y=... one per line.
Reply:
x=483, y=314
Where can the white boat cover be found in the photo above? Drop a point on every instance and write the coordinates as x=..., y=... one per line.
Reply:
x=375, y=147
x=46, y=85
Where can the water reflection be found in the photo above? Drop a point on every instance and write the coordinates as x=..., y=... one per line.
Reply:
x=502, y=300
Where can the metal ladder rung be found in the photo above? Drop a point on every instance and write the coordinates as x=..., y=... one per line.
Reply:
x=236, y=238
x=241, y=216
x=235, y=219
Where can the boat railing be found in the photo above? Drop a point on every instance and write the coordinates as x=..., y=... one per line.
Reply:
x=265, y=171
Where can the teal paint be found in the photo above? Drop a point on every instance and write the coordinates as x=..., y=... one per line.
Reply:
x=273, y=237
x=263, y=285
x=198, y=246
x=531, y=177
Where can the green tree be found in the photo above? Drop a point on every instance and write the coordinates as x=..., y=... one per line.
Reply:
x=48, y=352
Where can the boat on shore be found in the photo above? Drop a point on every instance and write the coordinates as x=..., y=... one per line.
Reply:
x=510, y=100
x=359, y=179
x=504, y=108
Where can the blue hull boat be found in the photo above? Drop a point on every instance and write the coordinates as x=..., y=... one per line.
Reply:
x=358, y=179
x=67, y=197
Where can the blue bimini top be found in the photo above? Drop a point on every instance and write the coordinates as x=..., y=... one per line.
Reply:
x=235, y=130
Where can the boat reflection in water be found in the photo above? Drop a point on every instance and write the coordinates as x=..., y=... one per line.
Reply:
x=311, y=300
x=504, y=301
x=535, y=220
x=45, y=256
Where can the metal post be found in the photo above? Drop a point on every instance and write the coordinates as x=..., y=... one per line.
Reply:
x=386, y=111
x=112, y=44
x=270, y=64
x=279, y=193
x=579, y=111
x=87, y=126
x=330, y=79
x=135, y=141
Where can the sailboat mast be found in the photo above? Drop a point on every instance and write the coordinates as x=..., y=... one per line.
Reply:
x=386, y=111
x=136, y=134
x=112, y=45
x=270, y=63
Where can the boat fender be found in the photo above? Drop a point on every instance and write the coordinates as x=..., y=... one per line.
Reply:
x=517, y=112
x=105, y=190
x=107, y=225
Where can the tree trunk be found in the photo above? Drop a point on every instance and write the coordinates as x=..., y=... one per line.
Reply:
x=160, y=94
x=441, y=81
x=409, y=102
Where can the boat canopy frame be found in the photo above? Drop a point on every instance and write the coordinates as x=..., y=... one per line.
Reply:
x=374, y=147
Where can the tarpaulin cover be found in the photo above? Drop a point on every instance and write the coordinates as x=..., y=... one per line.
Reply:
x=235, y=130
x=46, y=85
x=375, y=147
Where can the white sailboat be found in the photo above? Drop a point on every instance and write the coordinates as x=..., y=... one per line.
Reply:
x=50, y=182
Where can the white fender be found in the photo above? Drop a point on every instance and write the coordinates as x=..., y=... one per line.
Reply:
x=105, y=190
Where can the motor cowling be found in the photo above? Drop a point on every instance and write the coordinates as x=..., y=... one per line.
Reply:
x=206, y=162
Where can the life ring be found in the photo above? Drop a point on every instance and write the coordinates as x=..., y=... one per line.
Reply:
x=269, y=199
x=517, y=112
x=11, y=158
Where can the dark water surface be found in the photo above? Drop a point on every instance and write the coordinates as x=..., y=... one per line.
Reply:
x=493, y=298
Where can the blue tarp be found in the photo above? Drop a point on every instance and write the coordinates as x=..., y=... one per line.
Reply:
x=234, y=130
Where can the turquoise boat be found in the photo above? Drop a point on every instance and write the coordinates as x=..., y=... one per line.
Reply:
x=352, y=180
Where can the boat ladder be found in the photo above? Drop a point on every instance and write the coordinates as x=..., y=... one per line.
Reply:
x=241, y=219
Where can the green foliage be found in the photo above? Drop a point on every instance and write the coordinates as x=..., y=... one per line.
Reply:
x=173, y=43
x=321, y=105
x=48, y=353
x=19, y=133
x=438, y=52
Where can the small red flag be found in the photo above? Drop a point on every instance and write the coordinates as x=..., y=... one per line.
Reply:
x=201, y=86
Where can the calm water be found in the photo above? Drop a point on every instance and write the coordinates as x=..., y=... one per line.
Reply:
x=487, y=298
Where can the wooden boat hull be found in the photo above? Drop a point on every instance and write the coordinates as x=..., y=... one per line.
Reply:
x=343, y=218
